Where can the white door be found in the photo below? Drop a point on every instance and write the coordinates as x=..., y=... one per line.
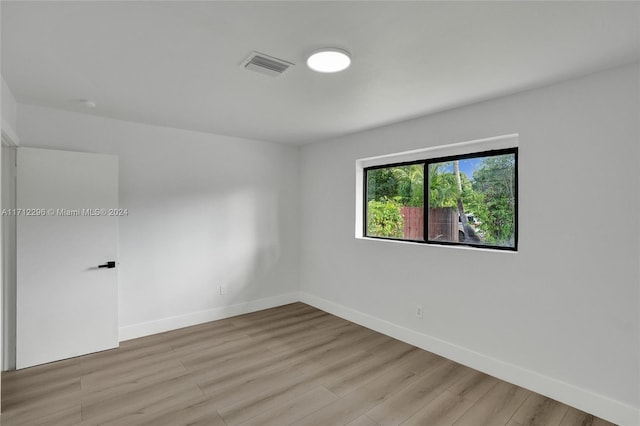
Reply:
x=66, y=229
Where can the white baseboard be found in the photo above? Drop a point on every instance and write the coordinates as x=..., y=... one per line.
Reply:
x=172, y=323
x=598, y=405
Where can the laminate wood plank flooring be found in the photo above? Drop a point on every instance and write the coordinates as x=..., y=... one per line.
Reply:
x=291, y=365
x=443, y=410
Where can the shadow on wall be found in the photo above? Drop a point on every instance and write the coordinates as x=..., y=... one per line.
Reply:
x=180, y=249
x=251, y=243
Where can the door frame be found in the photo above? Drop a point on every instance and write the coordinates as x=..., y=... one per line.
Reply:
x=8, y=277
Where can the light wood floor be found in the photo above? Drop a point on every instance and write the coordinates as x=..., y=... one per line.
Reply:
x=288, y=365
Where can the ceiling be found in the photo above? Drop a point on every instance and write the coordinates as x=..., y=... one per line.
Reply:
x=178, y=64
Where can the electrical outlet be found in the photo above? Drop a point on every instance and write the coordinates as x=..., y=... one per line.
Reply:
x=223, y=289
x=419, y=311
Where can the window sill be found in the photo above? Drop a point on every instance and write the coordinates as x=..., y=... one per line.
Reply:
x=446, y=246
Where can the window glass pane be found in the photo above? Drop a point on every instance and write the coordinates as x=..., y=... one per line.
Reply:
x=395, y=202
x=473, y=201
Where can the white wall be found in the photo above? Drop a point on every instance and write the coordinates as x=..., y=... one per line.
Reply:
x=561, y=316
x=204, y=210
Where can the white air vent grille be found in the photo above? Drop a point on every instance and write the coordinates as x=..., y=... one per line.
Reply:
x=266, y=64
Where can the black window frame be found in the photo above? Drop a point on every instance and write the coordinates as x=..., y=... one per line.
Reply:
x=426, y=163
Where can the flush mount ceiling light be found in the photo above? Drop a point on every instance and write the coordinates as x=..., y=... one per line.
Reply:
x=329, y=60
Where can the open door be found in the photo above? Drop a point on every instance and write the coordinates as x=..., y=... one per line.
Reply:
x=67, y=247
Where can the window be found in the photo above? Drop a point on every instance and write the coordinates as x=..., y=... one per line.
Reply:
x=470, y=199
x=395, y=202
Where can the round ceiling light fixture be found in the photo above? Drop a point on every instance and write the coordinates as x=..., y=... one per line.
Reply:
x=329, y=60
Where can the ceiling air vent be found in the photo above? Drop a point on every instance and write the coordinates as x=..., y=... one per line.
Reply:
x=266, y=64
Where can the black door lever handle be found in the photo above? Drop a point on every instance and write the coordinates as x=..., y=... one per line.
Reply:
x=110, y=264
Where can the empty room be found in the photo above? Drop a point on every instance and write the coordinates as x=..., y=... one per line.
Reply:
x=320, y=213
